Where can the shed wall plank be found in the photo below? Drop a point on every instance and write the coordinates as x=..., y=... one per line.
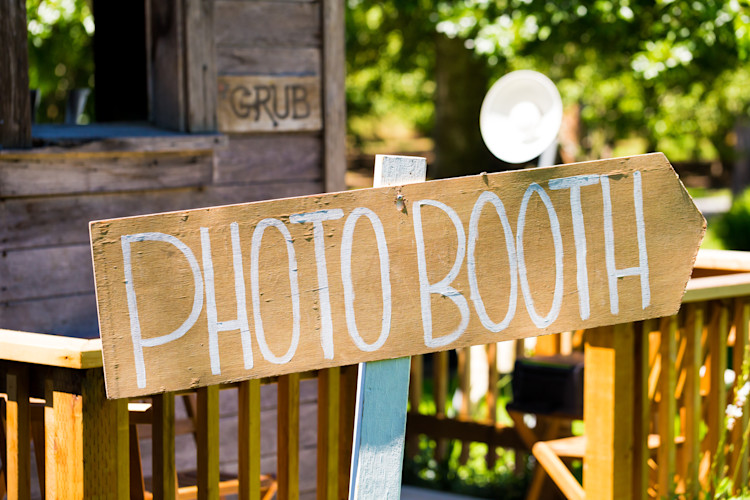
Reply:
x=267, y=24
x=68, y=175
x=200, y=66
x=268, y=61
x=44, y=272
x=167, y=69
x=63, y=220
x=334, y=88
x=73, y=316
x=270, y=157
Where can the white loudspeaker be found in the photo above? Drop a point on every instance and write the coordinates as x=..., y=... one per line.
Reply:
x=521, y=116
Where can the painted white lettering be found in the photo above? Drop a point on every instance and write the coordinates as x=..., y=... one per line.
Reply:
x=255, y=290
x=613, y=274
x=443, y=286
x=484, y=198
x=241, y=323
x=326, y=323
x=135, y=326
x=539, y=321
x=579, y=234
x=347, y=240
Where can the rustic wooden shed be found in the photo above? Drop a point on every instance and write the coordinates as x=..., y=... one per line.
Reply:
x=198, y=103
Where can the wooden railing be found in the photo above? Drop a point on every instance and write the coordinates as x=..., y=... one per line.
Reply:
x=655, y=398
x=86, y=446
x=638, y=443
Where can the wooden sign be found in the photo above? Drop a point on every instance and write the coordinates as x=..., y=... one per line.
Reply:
x=269, y=103
x=212, y=295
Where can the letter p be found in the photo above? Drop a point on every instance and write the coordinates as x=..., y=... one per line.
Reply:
x=135, y=326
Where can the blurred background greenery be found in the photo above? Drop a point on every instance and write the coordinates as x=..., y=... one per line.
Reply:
x=635, y=76
x=61, y=54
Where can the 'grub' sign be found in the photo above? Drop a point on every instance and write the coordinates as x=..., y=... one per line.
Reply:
x=269, y=103
x=220, y=294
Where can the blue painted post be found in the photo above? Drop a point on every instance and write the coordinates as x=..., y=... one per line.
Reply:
x=383, y=386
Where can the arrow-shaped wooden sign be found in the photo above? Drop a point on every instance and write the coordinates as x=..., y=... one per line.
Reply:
x=205, y=296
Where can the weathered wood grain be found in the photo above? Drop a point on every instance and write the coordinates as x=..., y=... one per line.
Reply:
x=329, y=388
x=163, y=446
x=288, y=465
x=641, y=409
x=45, y=272
x=270, y=157
x=267, y=24
x=54, y=174
x=300, y=61
x=248, y=440
x=63, y=441
x=346, y=425
x=334, y=92
x=15, y=105
x=167, y=64
x=269, y=103
x=72, y=315
x=207, y=438
x=556, y=292
x=200, y=66
x=667, y=407
x=608, y=411
x=106, y=468
x=50, y=350
x=693, y=418
x=63, y=220
x=718, y=334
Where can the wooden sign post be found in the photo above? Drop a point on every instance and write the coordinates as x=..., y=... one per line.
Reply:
x=200, y=297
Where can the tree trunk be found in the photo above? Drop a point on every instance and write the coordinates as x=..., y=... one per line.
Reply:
x=15, y=101
x=461, y=81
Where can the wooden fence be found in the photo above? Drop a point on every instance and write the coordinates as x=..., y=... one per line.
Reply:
x=655, y=398
x=86, y=446
x=646, y=444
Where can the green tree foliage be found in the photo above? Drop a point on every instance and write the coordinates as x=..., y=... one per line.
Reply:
x=390, y=60
x=61, y=54
x=733, y=227
x=673, y=73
